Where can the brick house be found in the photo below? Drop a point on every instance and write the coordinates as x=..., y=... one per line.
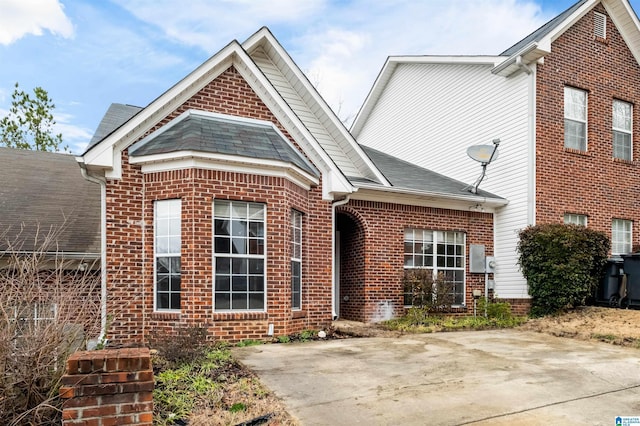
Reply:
x=239, y=202
x=561, y=101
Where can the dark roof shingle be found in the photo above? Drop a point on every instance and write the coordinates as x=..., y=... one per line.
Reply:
x=204, y=133
x=45, y=192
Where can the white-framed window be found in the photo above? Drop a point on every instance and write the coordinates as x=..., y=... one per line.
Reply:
x=35, y=313
x=239, y=255
x=621, y=236
x=296, y=260
x=167, y=250
x=575, y=219
x=442, y=252
x=575, y=119
x=622, y=122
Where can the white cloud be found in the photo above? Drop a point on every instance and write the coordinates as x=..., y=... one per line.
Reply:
x=76, y=137
x=21, y=17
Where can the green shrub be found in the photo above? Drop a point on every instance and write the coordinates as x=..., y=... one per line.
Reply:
x=562, y=264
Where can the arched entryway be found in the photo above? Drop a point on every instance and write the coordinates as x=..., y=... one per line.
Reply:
x=350, y=267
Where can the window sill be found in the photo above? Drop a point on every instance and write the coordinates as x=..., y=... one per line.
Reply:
x=577, y=152
x=165, y=316
x=299, y=314
x=623, y=161
x=227, y=316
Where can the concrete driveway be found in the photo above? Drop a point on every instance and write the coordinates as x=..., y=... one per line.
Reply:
x=502, y=377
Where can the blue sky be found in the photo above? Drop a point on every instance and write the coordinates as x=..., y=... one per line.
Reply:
x=88, y=54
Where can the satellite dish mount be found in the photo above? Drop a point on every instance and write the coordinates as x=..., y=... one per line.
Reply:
x=484, y=154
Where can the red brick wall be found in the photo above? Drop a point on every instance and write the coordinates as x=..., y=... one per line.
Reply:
x=383, y=226
x=108, y=387
x=130, y=239
x=590, y=183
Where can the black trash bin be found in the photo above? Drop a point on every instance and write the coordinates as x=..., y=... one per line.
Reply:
x=608, y=292
x=632, y=271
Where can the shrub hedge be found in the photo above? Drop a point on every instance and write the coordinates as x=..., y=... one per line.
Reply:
x=562, y=264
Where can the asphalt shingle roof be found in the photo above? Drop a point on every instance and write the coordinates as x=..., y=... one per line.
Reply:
x=402, y=174
x=203, y=133
x=44, y=192
x=116, y=116
x=539, y=34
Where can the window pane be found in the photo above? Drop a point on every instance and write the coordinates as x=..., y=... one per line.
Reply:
x=222, y=245
x=256, y=301
x=239, y=210
x=222, y=208
x=239, y=283
x=575, y=104
x=256, y=211
x=222, y=227
x=239, y=245
x=163, y=300
x=256, y=283
x=239, y=266
x=256, y=266
x=622, y=145
x=621, y=115
x=175, y=301
x=223, y=265
x=239, y=228
x=175, y=283
x=239, y=301
x=162, y=265
x=575, y=135
x=222, y=301
x=163, y=283
x=223, y=283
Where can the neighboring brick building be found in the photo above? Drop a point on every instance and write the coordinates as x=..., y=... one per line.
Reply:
x=237, y=201
x=561, y=101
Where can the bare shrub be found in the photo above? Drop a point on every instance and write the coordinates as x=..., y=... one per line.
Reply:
x=48, y=308
x=425, y=293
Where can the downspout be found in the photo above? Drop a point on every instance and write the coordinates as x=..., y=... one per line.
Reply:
x=335, y=204
x=103, y=245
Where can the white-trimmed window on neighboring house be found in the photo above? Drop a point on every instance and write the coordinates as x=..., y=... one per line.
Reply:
x=239, y=256
x=575, y=219
x=442, y=253
x=622, y=140
x=621, y=236
x=167, y=248
x=34, y=314
x=296, y=260
x=575, y=119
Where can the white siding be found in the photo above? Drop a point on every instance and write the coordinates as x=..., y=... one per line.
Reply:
x=430, y=114
x=306, y=115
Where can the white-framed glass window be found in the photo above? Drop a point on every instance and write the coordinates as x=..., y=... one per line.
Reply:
x=621, y=236
x=575, y=119
x=167, y=250
x=622, y=122
x=575, y=219
x=442, y=252
x=239, y=255
x=296, y=260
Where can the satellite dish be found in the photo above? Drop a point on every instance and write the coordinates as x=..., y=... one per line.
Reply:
x=483, y=154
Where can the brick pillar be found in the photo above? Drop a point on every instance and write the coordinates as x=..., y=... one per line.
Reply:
x=108, y=387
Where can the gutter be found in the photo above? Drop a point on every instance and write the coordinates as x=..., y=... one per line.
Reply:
x=335, y=204
x=103, y=244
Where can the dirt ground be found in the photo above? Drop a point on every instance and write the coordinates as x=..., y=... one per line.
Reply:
x=617, y=326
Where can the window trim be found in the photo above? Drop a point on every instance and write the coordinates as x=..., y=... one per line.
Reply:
x=584, y=120
x=296, y=218
x=435, y=268
x=156, y=255
x=615, y=232
x=615, y=129
x=263, y=257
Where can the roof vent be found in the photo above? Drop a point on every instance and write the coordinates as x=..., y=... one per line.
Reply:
x=600, y=25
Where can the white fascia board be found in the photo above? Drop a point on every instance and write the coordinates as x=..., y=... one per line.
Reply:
x=429, y=197
x=568, y=23
x=230, y=163
x=528, y=55
x=113, y=145
x=264, y=35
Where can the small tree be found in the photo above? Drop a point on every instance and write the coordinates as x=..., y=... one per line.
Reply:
x=29, y=123
x=425, y=293
x=563, y=264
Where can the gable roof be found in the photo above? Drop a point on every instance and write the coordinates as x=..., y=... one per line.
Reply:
x=42, y=193
x=105, y=155
x=404, y=175
x=214, y=133
x=539, y=43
